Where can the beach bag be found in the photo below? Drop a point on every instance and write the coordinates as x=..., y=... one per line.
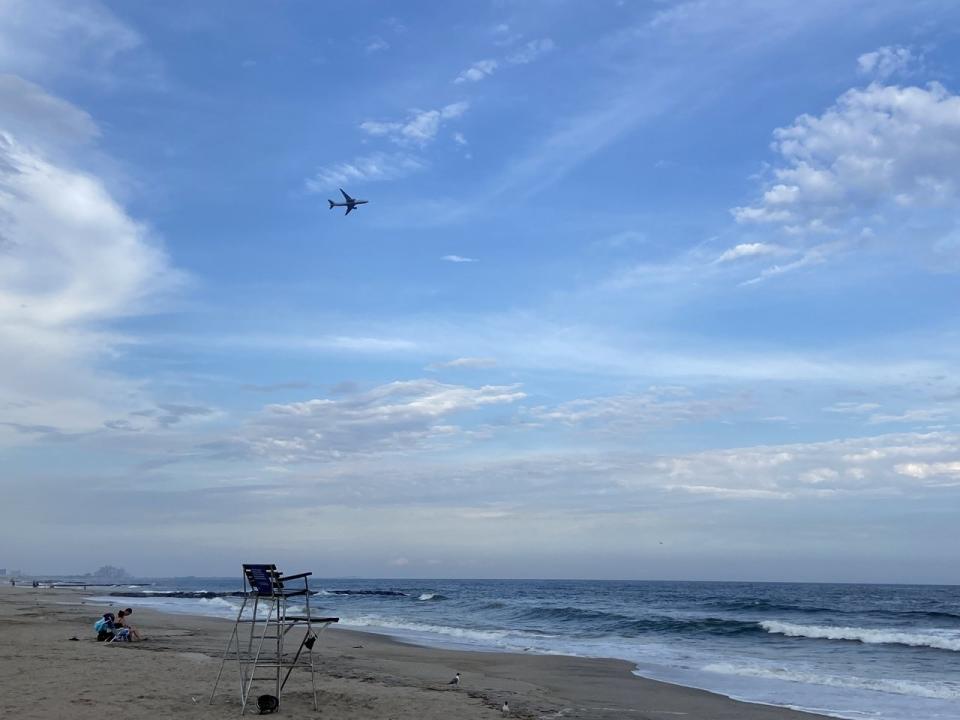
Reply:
x=267, y=704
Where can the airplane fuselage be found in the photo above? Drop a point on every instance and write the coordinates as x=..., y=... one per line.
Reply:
x=350, y=203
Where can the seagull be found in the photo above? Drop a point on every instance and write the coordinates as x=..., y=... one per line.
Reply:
x=505, y=709
x=455, y=681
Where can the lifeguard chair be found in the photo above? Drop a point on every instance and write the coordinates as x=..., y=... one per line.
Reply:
x=260, y=654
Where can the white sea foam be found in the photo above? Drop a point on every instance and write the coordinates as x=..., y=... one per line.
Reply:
x=214, y=607
x=484, y=638
x=941, y=691
x=427, y=596
x=940, y=639
x=217, y=602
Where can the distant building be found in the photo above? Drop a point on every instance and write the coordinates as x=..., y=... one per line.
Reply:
x=109, y=572
x=3, y=572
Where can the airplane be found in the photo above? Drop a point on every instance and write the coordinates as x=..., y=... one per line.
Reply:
x=350, y=203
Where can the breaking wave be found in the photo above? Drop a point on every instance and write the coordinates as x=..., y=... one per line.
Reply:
x=870, y=636
x=940, y=691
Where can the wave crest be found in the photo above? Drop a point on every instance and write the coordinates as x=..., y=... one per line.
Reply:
x=870, y=636
x=946, y=691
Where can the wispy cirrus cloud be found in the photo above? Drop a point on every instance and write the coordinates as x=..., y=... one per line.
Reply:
x=524, y=55
x=275, y=387
x=464, y=363
x=60, y=37
x=419, y=128
x=752, y=250
x=459, y=259
x=477, y=71
x=531, y=51
x=911, y=416
x=657, y=407
x=376, y=44
x=27, y=110
x=375, y=167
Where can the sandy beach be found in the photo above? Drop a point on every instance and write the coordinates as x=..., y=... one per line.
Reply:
x=47, y=675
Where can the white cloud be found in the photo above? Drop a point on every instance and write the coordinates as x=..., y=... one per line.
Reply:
x=458, y=259
x=478, y=71
x=78, y=38
x=71, y=261
x=71, y=254
x=360, y=344
x=862, y=152
x=871, y=465
x=481, y=69
x=397, y=416
x=852, y=408
x=921, y=415
x=732, y=493
x=816, y=255
x=756, y=249
x=376, y=44
x=657, y=407
x=420, y=128
x=879, y=152
x=818, y=476
x=531, y=51
x=886, y=61
x=925, y=470
x=28, y=112
x=367, y=168
x=471, y=363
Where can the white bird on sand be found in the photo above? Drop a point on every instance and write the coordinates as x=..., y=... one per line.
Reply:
x=455, y=681
x=505, y=709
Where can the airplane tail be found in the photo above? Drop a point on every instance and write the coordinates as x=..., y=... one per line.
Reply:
x=331, y=204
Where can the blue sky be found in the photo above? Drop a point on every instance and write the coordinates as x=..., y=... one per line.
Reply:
x=644, y=289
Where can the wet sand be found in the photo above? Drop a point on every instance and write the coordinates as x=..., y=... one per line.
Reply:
x=45, y=675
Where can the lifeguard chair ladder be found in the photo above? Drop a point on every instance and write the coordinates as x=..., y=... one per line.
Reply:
x=264, y=612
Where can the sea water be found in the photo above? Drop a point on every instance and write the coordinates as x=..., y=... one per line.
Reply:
x=889, y=652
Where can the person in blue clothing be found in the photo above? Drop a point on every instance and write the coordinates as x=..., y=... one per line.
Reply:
x=104, y=627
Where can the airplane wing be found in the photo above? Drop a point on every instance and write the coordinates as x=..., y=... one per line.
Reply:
x=345, y=196
x=349, y=208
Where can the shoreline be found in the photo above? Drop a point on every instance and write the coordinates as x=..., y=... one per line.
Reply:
x=361, y=674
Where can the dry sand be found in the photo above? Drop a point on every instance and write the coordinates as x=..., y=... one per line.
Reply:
x=45, y=675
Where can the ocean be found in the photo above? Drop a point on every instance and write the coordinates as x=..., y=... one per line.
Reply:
x=889, y=652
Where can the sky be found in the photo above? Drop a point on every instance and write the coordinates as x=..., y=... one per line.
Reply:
x=644, y=290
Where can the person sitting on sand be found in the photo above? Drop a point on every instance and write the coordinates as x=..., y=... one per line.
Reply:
x=104, y=627
x=123, y=622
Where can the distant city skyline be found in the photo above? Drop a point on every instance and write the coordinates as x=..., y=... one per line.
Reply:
x=661, y=290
